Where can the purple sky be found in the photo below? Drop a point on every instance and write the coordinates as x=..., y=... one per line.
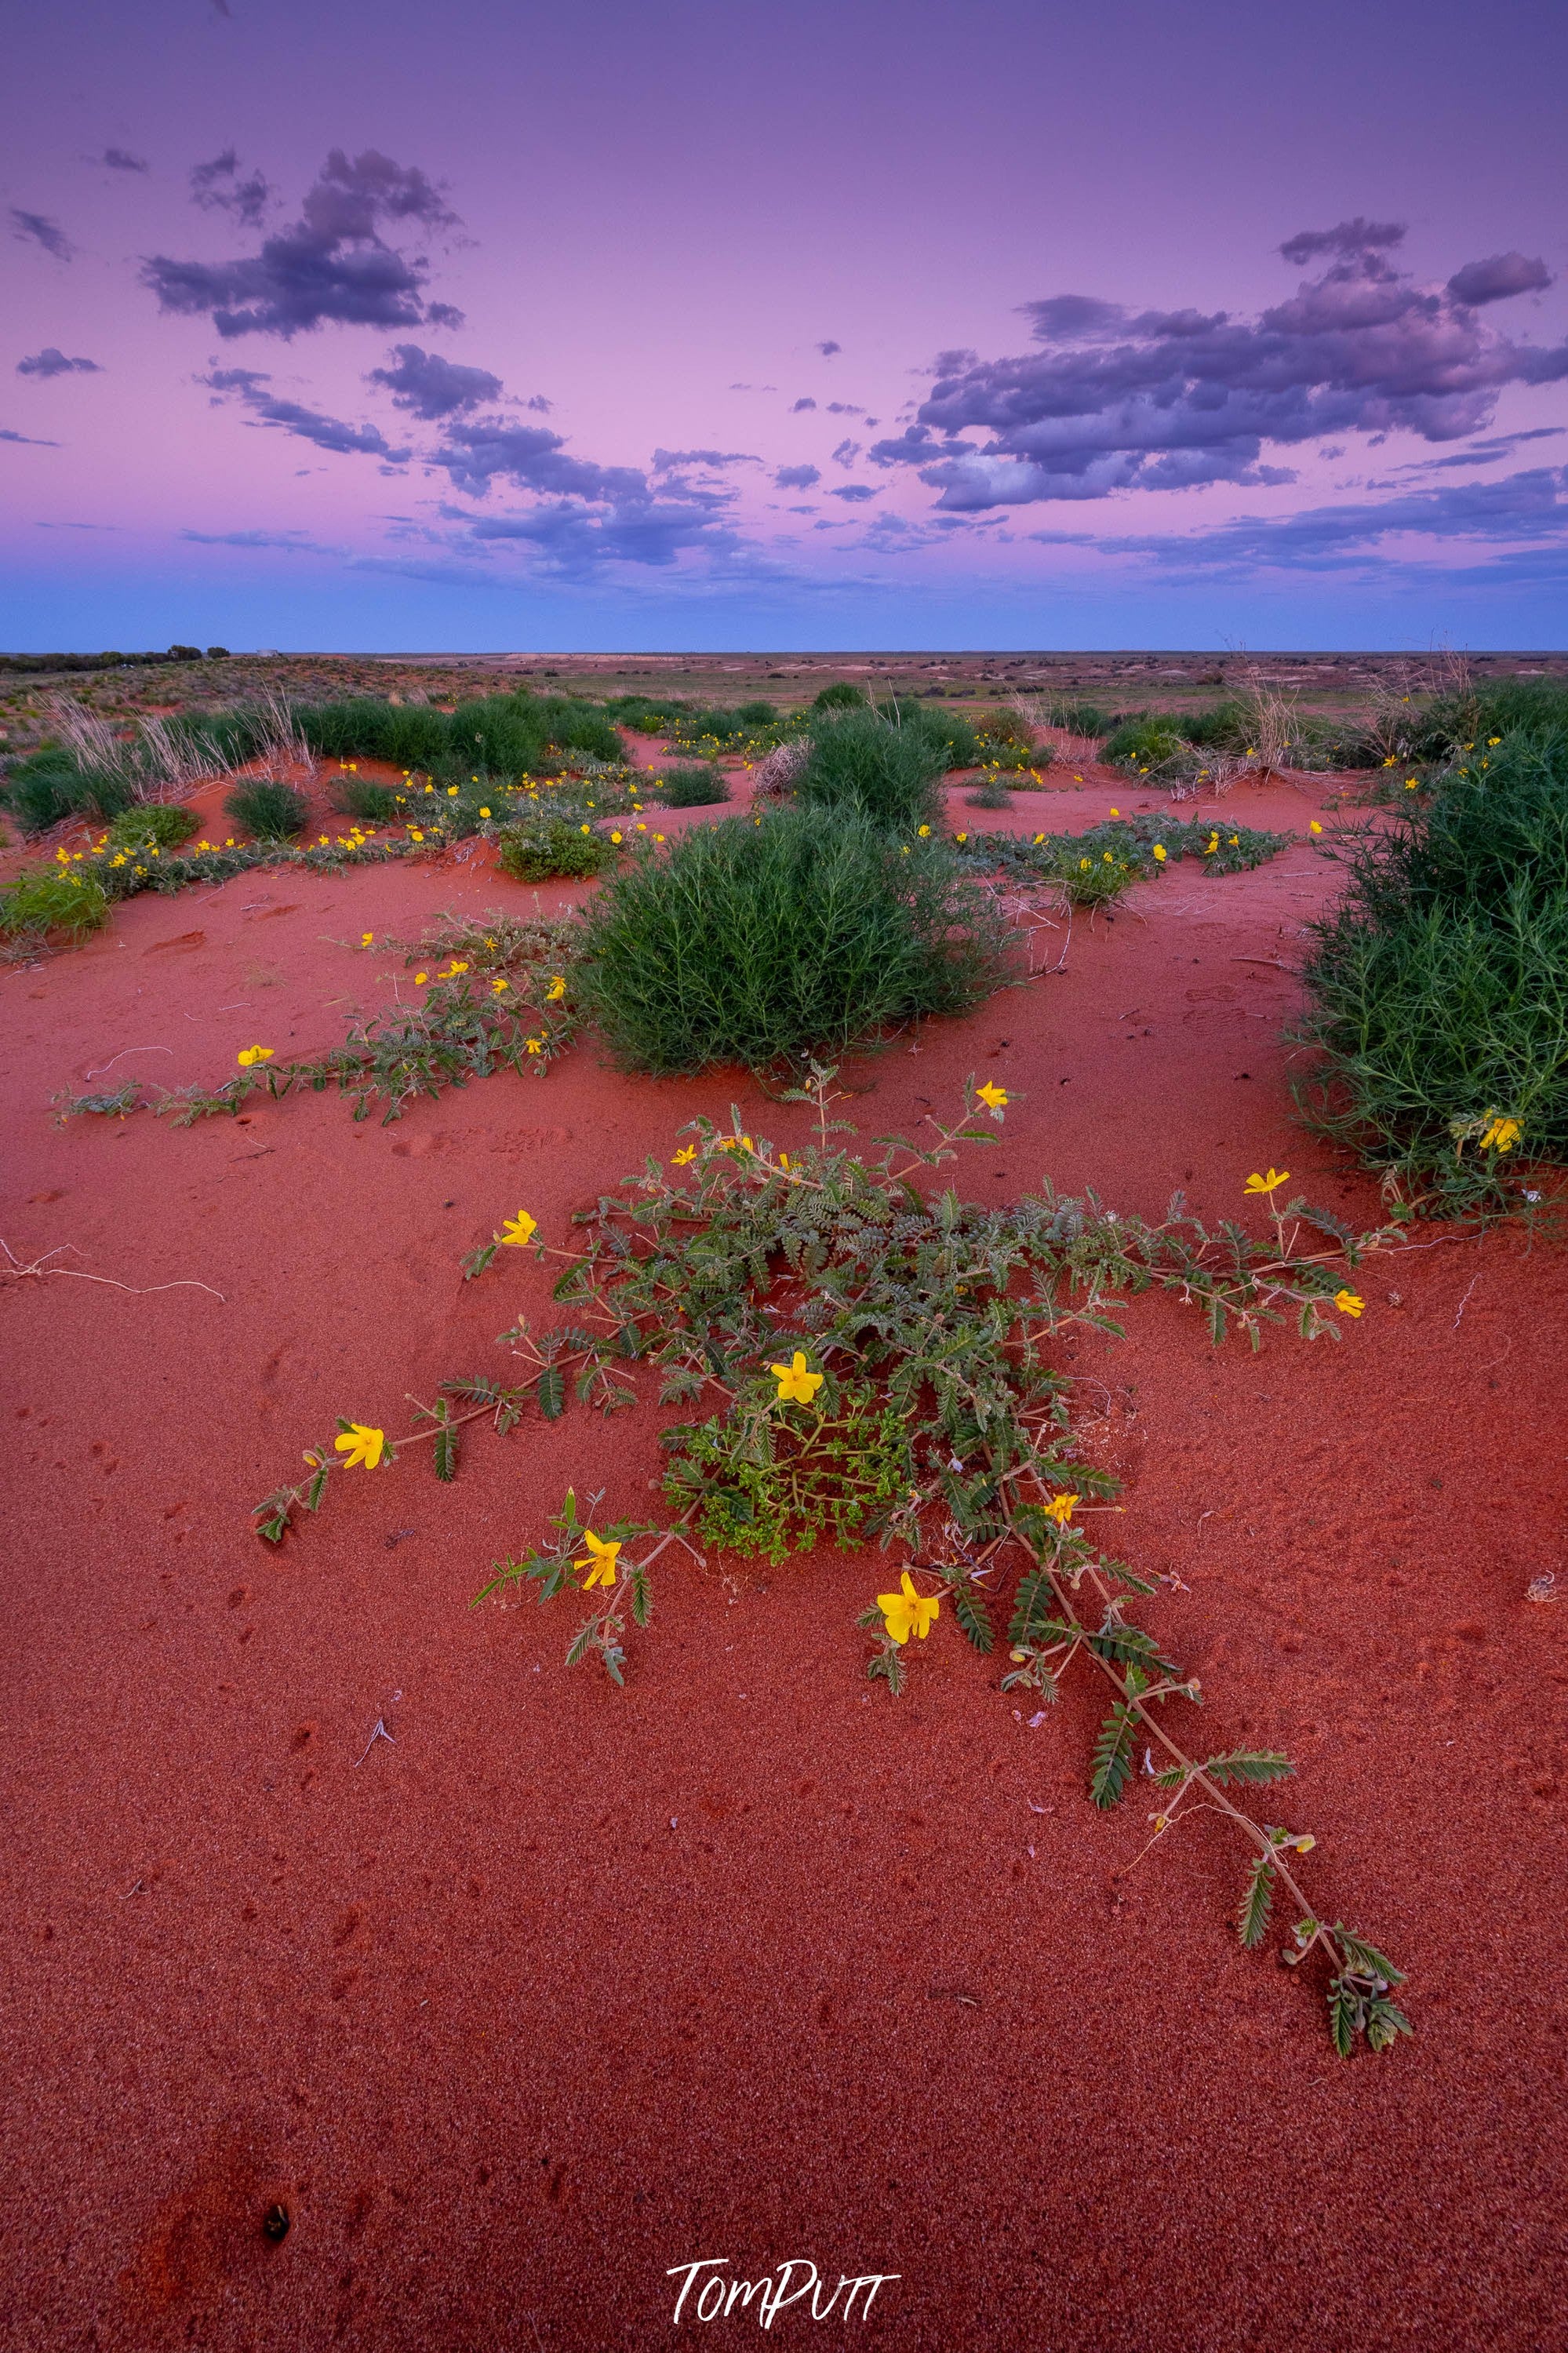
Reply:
x=489, y=325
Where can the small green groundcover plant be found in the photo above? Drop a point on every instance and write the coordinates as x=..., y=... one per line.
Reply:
x=552, y=847
x=50, y=903
x=865, y=1361
x=697, y=784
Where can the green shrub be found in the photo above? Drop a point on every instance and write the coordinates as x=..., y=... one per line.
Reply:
x=498, y=734
x=363, y=797
x=862, y=761
x=1440, y=984
x=758, y=944
x=1147, y=741
x=992, y=795
x=550, y=849
x=1079, y=718
x=757, y=714
x=698, y=787
x=51, y=899
x=163, y=822
x=51, y=785
x=268, y=809
x=840, y=696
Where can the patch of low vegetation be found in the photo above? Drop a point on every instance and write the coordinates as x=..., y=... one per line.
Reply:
x=48, y=904
x=268, y=809
x=760, y=943
x=878, y=1365
x=550, y=848
x=489, y=736
x=698, y=786
x=1099, y=865
x=1439, y=983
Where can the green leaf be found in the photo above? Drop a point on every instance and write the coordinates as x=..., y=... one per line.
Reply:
x=445, y=1451
x=478, y=1259
x=552, y=1392
x=1248, y=1765
x=1385, y=2022
x=1365, y=1959
x=642, y=1596
x=1252, y=1921
x=1113, y=1755
x=582, y=1641
x=969, y=1609
x=1344, y=2010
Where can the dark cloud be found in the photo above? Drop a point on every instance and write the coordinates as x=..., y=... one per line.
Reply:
x=856, y=492
x=1349, y=239
x=431, y=387
x=27, y=440
x=577, y=541
x=828, y=349
x=1482, y=453
x=118, y=159
x=248, y=386
x=1500, y=275
x=797, y=477
x=799, y=404
x=492, y=448
x=665, y=462
x=38, y=228
x=217, y=187
x=446, y=314
x=332, y=264
x=1531, y=506
x=1177, y=399
x=847, y=453
x=50, y=361
x=289, y=542
x=844, y=408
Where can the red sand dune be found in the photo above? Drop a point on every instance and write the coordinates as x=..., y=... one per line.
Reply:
x=560, y=1988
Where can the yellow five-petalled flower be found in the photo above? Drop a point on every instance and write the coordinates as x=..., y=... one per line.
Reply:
x=599, y=1560
x=1275, y=1178
x=358, y=1444
x=519, y=1231
x=908, y=1611
x=797, y=1384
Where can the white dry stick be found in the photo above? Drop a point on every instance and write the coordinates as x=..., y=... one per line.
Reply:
x=16, y=1273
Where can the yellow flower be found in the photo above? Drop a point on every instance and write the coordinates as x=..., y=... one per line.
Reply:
x=960, y=837
x=415, y=834
x=366, y=939
x=1160, y=852
x=1038, y=838
x=796, y=1383
x=484, y=812
x=556, y=990
x=1116, y=812
x=420, y=978
x=359, y=1445
x=456, y=969
x=1316, y=827
x=1276, y=1177
x=1349, y=1302
x=1501, y=1135
x=536, y=1045
x=991, y=1096
x=1083, y=865
x=1105, y=854
x=908, y=1611
x=519, y=1231
x=451, y=792
x=1061, y=1508
x=582, y=829
x=925, y=833
x=686, y=1152
x=498, y=985
x=618, y=837
x=253, y=1054
x=599, y=1560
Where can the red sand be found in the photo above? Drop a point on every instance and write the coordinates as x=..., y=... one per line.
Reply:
x=566, y=1987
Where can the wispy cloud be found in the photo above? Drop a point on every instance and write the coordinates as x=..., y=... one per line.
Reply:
x=38, y=228
x=248, y=386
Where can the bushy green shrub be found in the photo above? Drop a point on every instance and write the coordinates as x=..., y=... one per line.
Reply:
x=697, y=786
x=1146, y=742
x=268, y=809
x=862, y=761
x=498, y=734
x=51, y=785
x=1440, y=984
x=51, y=899
x=840, y=696
x=758, y=944
x=756, y=714
x=163, y=822
x=1079, y=718
x=992, y=795
x=550, y=849
x=363, y=797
